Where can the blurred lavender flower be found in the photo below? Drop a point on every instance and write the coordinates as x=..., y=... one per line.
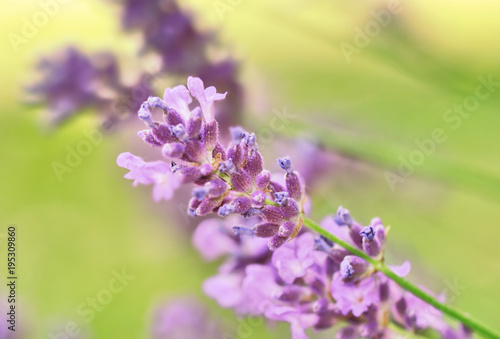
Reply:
x=168, y=31
x=69, y=84
x=184, y=319
x=72, y=81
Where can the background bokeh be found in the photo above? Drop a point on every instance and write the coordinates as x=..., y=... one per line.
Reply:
x=74, y=233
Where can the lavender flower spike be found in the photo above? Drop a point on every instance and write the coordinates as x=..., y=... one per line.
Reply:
x=229, y=180
x=310, y=282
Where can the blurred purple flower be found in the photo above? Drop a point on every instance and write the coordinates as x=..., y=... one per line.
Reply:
x=69, y=83
x=184, y=319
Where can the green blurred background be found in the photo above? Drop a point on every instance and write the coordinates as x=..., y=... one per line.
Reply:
x=74, y=233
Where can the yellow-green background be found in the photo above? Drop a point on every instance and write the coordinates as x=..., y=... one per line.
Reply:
x=444, y=217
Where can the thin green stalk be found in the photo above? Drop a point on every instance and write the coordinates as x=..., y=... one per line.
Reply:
x=466, y=319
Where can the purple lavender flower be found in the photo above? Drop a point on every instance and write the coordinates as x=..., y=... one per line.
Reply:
x=292, y=261
x=415, y=314
x=72, y=81
x=146, y=173
x=309, y=282
x=69, y=84
x=355, y=298
x=229, y=180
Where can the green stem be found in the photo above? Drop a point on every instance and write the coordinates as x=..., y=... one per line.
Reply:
x=466, y=319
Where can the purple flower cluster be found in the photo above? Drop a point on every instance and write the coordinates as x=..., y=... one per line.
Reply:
x=170, y=32
x=309, y=282
x=72, y=81
x=229, y=180
x=313, y=283
x=167, y=30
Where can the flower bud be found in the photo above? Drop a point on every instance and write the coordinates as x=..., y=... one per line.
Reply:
x=216, y=187
x=353, y=268
x=286, y=164
x=219, y=152
x=254, y=165
x=372, y=248
x=275, y=187
x=211, y=134
x=145, y=114
x=205, y=169
x=147, y=137
x=380, y=234
x=195, y=151
x=241, y=181
x=273, y=214
x=293, y=185
x=276, y=242
x=179, y=132
x=291, y=210
x=162, y=133
x=192, y=206
x=173, y=118
x=262, y=180
x=266, y=230
x=156, y=102
x=195, y=123
x=252, y=212
x=200, y=192
x=368, y=233
x=227, y=166
x=258, y=197
x=343, y=217
x=287, y=228
x=241, y=204
x=250, y=140
x=354, y=233
x=281, y=198
x=237, y=155
x=207, y=205
x=173, y=150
